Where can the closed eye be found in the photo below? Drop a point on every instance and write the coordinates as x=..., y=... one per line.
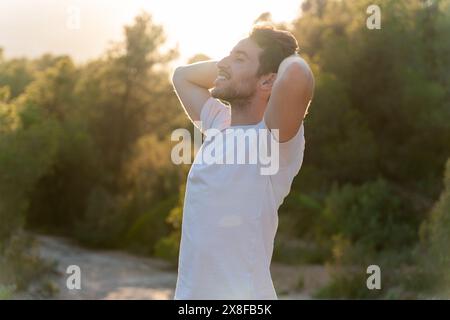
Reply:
x=239, y=57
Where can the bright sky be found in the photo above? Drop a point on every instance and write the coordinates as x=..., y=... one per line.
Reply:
x=31, y=28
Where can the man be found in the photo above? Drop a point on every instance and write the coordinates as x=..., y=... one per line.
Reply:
x=230, y=210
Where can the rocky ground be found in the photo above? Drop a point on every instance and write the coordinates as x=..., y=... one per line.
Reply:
x=120, y=275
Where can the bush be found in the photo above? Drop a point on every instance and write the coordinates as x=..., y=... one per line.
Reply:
x=298, y=215
x=435, y=236
x=104, y=223
x=150, y=227
x=347, y=285
x=365, y=225
x=372, y=216
x=6, y=292
x=20, y=264
x=295, y=252
x=25, y=156
x=168, y=248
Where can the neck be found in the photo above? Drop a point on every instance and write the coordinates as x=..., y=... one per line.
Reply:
x=247, y=111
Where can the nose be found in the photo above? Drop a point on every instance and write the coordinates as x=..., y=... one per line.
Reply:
x=222, y=64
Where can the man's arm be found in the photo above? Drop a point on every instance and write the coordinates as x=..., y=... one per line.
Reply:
x=192, y=83
x=291, y=95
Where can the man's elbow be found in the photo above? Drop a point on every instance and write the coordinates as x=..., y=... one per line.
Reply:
x=299, y=71
x=177, y=75
x=299, y=76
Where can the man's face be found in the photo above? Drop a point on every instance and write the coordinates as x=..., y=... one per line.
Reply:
x=237, y=78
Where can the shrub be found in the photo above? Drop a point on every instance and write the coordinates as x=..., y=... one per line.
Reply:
x=435, y=236
x=150, y=227
x=372, y=216
x=103, y=223
x=20, y=263
x=168, y=247
x=365, y=225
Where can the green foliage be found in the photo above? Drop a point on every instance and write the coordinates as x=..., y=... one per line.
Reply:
x=168, y=246
x=150, y=227
x=15, y=74
x=300, y=212
x=439, y=224
x=103, y=223
x=372, y=215
x=378, y=91
x=378, y=133
x=77, y=142
x=25, y=155
x=364, y=225
x=350, y=285
x=6, y=292
x=84, y=149
x=105, y=109
x=435, y=235
x=20, y=264
x=347, y=149
x=295, y=252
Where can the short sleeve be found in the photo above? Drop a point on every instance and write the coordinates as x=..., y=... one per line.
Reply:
x=214, y=114
x=290, y=161
x=291, y=151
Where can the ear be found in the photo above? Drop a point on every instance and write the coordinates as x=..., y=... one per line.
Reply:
x=266, y=81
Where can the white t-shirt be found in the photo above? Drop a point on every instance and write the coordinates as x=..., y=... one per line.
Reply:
x=230, y=217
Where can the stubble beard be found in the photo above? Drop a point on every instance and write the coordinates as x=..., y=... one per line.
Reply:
x=233, y=96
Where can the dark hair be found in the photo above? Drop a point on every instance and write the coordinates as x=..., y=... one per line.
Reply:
x=276, y=45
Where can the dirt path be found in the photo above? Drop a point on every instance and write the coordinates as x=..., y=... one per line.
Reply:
x=119, y=275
